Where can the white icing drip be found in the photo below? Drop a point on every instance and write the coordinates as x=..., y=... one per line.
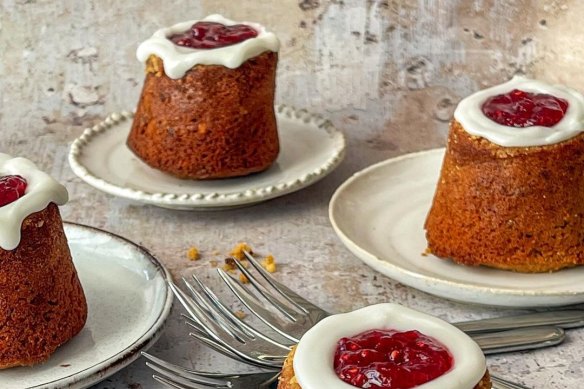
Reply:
x=470, y=115
x=41, y=190
x=313, y=361
x=178, y=60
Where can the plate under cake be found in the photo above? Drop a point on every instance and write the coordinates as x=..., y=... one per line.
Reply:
x=379, y=215
x=311, y=148
x=128, y=302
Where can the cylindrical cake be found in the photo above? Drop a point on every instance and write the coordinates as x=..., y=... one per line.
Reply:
x=518, y=209
x=511, y=207
x=214, y=119
x=42, y=304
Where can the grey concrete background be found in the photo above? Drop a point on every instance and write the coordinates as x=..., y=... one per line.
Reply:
x=388, y=73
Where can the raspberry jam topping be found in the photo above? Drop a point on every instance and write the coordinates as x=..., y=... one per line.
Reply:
x=211, y=35
x=11, y=189
x=390, y=359
x=524, y=109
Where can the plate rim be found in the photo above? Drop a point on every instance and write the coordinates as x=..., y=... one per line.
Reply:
x=105, y=368
x=407, y=276
x=215, y=200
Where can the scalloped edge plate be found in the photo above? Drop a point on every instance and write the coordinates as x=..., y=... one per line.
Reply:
x=379, y=215
x=310, y=148
x=128, y=303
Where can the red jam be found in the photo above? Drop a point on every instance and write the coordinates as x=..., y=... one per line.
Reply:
x=390, y=359
x=11, y=189
x=524, y=109
x=210, y=35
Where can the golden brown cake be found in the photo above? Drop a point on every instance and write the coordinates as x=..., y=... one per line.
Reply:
x=207, y=111
x=42, y=304
x=517, y=206
x=384, y=346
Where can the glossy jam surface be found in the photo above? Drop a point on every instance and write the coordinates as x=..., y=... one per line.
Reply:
x=390, y=359
x=11, y=189
x=525, y=109
x=211, y=35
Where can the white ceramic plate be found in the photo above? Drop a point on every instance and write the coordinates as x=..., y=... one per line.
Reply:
x=310, y=148
x=128, y=302
x=379, y=215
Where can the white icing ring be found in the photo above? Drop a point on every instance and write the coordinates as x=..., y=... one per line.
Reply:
x=41, y=190
x=314, y=358
x=470, y=115
x=178, y=60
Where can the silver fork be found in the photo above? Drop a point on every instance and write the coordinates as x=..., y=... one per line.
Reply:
x=237, y=340
x=174, y=376
x=177, y=377
x=299, y=321
x=514, y=333
x=217, y=309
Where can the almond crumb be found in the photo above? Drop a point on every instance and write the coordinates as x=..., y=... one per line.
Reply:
x=237, y=251
x=269, y=263
x=229, y=265
x=193, y=254
x=271, y=268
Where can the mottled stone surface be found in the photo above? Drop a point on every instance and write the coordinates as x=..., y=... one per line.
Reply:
x=388, y=73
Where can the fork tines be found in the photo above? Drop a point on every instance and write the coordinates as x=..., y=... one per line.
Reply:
x=294, y=322
x=178, y=377
x=216, y=326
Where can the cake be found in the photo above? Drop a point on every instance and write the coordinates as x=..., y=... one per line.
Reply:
x=207, y=106
x=511, y=189
x=42, y=304
x=385, y=346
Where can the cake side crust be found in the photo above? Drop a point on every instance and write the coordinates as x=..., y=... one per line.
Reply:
x=42, y=304
x=512, y=208
x=215, y=122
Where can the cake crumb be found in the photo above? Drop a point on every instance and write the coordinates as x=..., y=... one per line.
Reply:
x=240, y=314
x=229, y=265
x=237, y=251
x=214, y=263
x=426, y=252
x=154, y=66
x=243, y=279
x=269, y=263
x=202, y=128
x=193, y=254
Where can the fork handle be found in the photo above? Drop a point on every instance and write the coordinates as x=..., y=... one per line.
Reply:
x=565, y=318
x=520, y=339
x=500, y=383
